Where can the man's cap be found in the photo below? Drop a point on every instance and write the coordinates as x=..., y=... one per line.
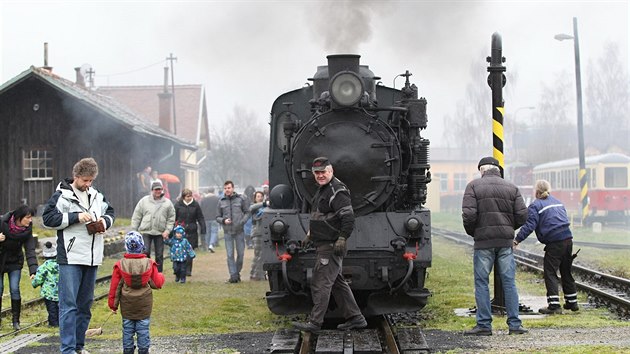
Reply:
x=134, y=243
x=320, y=163
x=155, y=185
x=488, y=160
x=49, y=250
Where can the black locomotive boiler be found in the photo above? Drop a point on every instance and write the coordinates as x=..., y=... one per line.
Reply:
x=371, y=134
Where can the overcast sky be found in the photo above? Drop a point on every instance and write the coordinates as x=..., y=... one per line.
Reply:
x=247, y=53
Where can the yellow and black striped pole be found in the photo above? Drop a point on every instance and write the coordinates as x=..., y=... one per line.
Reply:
x=496, y=80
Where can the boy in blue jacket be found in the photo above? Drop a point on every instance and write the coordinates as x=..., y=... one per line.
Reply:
x=548, y=217
x=181, y=251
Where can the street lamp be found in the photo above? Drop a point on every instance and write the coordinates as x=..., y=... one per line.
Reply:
x=578, y=85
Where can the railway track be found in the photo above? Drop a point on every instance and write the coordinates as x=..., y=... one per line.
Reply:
x=380, y=337
x=603, y=289
x=6, y=313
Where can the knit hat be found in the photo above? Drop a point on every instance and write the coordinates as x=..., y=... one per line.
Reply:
x=134, y=243
x=156, y=184
x=179, y=229
x=49, y=250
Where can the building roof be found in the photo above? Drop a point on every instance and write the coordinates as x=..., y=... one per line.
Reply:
x=190, y=117
x=589, y=160
x=110, y=107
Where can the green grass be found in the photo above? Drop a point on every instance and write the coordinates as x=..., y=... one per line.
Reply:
x=451, y=282
x=610, y=260
x=213, y=307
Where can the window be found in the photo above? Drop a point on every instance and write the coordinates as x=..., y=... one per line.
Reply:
x=460, y=182
x=443, y=177
x=37, y=165
x=615, y=177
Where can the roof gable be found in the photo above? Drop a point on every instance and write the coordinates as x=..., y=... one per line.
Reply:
x=190, y=117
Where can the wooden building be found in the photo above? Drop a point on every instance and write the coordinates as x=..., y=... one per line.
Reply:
x=49, y=123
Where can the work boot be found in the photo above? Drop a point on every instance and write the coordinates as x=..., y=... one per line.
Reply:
x=16, y=306
x=571, y=306
x=519, y=330
x=478, y=331
x=129, y=350
x=355, y=322
x=306, y=327
x=551, y=310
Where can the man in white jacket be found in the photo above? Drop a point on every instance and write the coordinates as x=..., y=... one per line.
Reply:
x=154, y=218
x=74, y=204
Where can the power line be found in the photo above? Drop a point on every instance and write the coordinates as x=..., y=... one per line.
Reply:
x=133, y=71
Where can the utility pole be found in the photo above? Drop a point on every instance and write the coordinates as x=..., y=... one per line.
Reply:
x=171, y=58
x=91, y=73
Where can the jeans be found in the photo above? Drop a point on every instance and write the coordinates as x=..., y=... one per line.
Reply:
x=212, y=233
x=235, y=266
x=76, y=294
x=158, y=243
x=14, y=283
x=483, y=261
x=141, y=329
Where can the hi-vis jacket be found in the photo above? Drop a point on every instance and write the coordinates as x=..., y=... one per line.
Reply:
x=74, y=244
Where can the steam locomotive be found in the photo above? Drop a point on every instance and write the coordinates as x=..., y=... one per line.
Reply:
x=371, y=134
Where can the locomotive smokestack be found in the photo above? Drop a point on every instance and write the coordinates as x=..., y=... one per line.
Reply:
x=342, y=62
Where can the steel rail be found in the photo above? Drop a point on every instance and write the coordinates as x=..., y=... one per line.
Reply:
x=532, y=260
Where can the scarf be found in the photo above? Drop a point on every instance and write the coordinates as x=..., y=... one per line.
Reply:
x=14, y=228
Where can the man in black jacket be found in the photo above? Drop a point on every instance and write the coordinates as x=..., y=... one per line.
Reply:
x=492, y=209
x=332, y=222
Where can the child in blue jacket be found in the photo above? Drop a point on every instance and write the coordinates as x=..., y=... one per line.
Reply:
x=181, y=251
x=47, y=277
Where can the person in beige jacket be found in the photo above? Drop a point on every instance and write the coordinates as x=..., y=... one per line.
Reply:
x=154, y=218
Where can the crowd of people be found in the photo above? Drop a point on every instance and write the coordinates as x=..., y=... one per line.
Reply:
x=492, y=210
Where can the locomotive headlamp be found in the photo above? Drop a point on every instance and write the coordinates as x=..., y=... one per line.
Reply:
x=278, y=229
x=346, y=88
x=413, y=224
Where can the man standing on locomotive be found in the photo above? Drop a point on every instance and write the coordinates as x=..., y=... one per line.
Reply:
x=331, y=223
x=492, y=209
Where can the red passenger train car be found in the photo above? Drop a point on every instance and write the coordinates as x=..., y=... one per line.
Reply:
x=608, y=186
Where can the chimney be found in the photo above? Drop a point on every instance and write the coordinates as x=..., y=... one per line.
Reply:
x=80, y=78
x=165, y=99
x=49, y=68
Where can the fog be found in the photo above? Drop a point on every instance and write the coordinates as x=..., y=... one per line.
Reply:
x=246, y=53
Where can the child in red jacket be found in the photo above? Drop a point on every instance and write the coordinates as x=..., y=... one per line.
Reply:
x=133, y=278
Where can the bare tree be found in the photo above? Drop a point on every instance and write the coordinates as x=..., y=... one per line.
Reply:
x=608, y=101
x=239, y=151
x=554, y=134
x=471, y=124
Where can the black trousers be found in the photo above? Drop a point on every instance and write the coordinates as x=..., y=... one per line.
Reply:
x=558, y=256
x=53, y=312
x=158, y=243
